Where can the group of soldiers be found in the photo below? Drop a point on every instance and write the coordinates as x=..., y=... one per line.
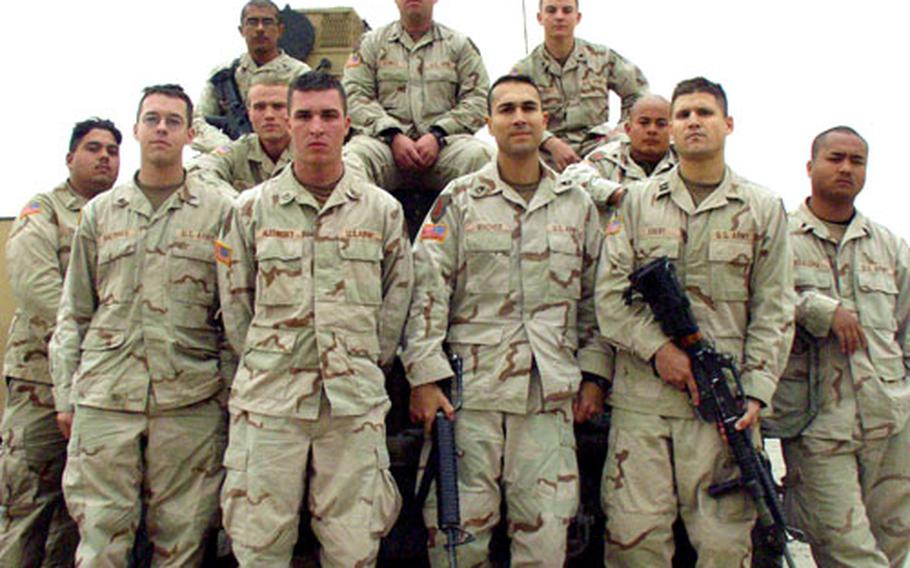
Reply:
x=199, y=345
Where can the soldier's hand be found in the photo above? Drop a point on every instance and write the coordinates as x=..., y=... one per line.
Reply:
x=589, y=402
x=750, y=418
x=425, y=401
x=404, y=150
x=848, y=331
x=563, y=154
x=675, y=368
x=65, y=423
x=428, y=148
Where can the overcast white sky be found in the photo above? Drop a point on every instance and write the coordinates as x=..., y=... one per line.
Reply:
x=790, y=70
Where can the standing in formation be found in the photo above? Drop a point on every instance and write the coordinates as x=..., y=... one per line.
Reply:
x=135, y=356
x=315, y=272
x=262, y=154
x=505, y=267
x=844, y=402
x=575, y=78
x=727, y=238
x=417, y=91
x=35, y=528
x=261, y=28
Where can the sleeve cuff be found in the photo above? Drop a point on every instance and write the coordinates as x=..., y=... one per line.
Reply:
x=546, y=136
x=759, y=386
x=430, y=370
x=62, y=400
x=387, y=123
x=597, y=362
x=649, y=342
x=448, y=125
x=818, y=315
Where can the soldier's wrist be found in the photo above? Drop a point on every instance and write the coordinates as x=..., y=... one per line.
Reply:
x=388, y=135
x=439, y=134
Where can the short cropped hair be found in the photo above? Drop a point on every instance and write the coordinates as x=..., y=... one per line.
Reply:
x=168, y=90
x=82, y=128
x=509, y=79
x=258, y=4
x=701, y=85
x=819, y=140
x=318, y=81
x=540, y=5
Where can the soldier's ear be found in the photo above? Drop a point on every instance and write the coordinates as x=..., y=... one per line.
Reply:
x=190, y=134
x=809, y=168
x=69, y=159
x=546, y=119
x=136, y=132
x=729, y=121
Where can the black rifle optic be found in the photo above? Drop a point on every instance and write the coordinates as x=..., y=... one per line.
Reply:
x=656, y=283
x=235, y=122
x=442, y=466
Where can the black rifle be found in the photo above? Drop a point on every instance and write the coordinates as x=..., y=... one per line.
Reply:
x=656, y=283
x=442, y=465
x=235, y=122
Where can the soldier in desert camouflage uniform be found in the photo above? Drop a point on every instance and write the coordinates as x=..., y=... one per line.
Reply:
x=505, y=268
x=727, y=238
x=136, y=353
x=316, y=274
x=417, y=91
x=35, y=527
x=261, y=29
x=575, y=78
x=847, y=470
x=254, y=158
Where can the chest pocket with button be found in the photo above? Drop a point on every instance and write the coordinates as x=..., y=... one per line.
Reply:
x=441, y=90
x=488, y=260
x=876, y=296
x=116, y=270
x=649, y=248
x=279, y=280
x=731, y=269
x=392, y=82
x=363, y=270
x=192, y=272
x=564, y=279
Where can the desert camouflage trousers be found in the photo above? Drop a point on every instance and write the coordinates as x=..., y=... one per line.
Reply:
x=658, y=467
x=353, y=498
x=461, y=155
x=852, y=499
x=35, y=528
x=532, y=456
x=171, y=459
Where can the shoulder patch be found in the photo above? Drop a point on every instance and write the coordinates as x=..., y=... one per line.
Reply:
x=32, y=208
x=354, y=60
x=222, y=150
x=222, y=253
x=434, y=232
x=439, y=208
x=614, y=226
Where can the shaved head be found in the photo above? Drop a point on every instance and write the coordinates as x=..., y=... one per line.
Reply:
x=651, y=102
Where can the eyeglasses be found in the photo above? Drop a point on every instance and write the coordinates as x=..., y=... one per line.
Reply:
x=171, y=121
x=256, y=22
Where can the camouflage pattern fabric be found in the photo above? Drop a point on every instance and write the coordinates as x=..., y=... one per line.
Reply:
x=169, y=458
x=847, y=471
x=643, y=484
x=35, y=527
x=373, y=159
x=439, y=80
x=138, y=349
x=613, y=161
x=314, y=297
x=576, y=94
x=353, y=498
x=34, y=523
x=42, y=234
x=208, y=138
x=732, y=256
x=508, y=285
x=532, y=457
x=242, y=163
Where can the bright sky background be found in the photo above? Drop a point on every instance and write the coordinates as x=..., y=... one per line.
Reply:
x=790, y=69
